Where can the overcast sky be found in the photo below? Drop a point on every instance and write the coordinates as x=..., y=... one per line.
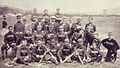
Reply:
x=67, y=6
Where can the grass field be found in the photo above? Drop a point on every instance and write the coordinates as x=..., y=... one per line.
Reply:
x=104, y=25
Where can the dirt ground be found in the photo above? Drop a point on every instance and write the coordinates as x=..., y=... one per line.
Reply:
x=65, y=65
x=104, y=25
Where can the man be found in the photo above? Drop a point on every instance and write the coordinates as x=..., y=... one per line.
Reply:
x=51, y=42
x=52, y=20
x=39, y=34
x=71, y=28
x=65, y=50
x=46, y=20
x=77, y=30
x=56, y=26
x=58, y=15
x=4, y=25
x=112, y=46
x=9, y=40
x=26, y=24
x=77, y=25
x=90, y=28
x=34, y=24
x=45, y=15
x=38, y=51
x=61, y=35
x=81, y=51
x=95, y=53
x=74, y=38
x=19, y=29
x=66, y=26
x=28, y=37
x=23, y=53
x=50, y=36
x=35, y=14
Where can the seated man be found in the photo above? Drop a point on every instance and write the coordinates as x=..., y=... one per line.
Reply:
x=38, y=34
x=23, y=53
x=112, y=46
x=74, y=38
x=53, y=50
x=61, y=35
x=38, y=51
x=94, y=51
x=81, y=53
x=9, y=40
x=65, y=50
x=28, y=37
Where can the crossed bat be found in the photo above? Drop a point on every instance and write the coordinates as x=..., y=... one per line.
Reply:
x=74, y=53
x=48, y=51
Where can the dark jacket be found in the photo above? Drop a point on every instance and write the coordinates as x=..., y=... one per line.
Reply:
x=10, y=37
x=93, y=27
x=110, y=44
x=19, y=27
x=4, y=24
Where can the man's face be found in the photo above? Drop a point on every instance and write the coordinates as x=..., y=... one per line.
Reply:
x=35, y=11
x=90, y=20
x=39, y=28
x=45, y=12
x=51, y=28
x=58, y=10
x=11, y=29
x=24, y=20
x=67, y=42
x=24, y=42
x=110, y=36
x=4, y=18
x=95, y=35
x=19, y=19
x=79, y=20
x=35, y=32
x=61, y=29
x=39, y=19
x=39, y=42
x=53, y=20
x=71, y=20
x=81, y=42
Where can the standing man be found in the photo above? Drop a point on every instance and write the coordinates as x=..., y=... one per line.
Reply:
x=46, y=20
x=90, y=28
x=27, y=25
x=19, y=29
x=4, y=25
x=112, y=46
x=46, y=15
x=58, y=15
x=35, y=13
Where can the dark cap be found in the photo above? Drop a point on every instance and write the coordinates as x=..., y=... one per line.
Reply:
x=4, y=16
x=91, y=18
x=18, y=16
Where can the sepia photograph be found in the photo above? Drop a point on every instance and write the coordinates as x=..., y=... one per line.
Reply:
x=59, y=33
